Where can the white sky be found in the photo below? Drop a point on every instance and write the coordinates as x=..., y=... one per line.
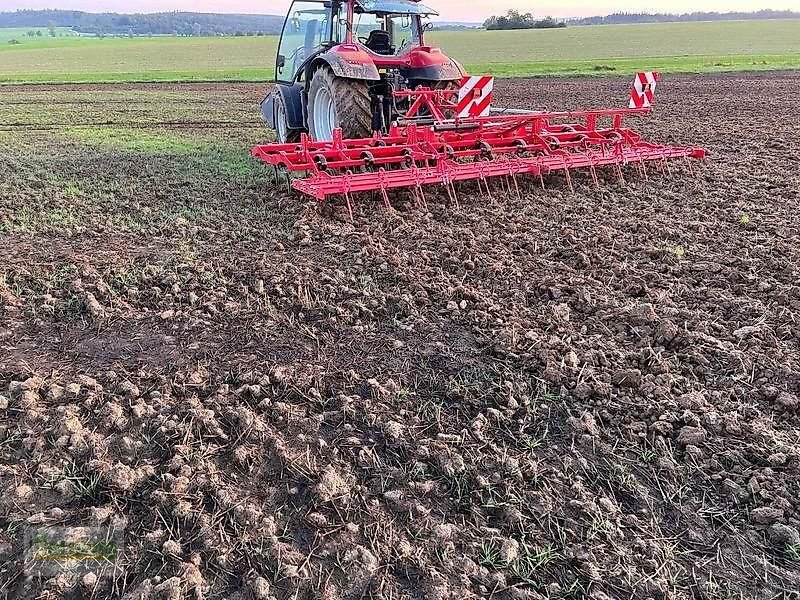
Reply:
x=451, y=10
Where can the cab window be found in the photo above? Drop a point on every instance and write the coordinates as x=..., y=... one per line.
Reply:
x=306, y=29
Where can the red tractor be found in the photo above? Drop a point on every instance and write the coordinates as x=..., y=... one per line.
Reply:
x=363, y=104
x=340, y=64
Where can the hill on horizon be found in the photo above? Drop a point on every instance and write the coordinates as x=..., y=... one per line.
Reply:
x=206, y=24
x=622, y=18
x=162, y=23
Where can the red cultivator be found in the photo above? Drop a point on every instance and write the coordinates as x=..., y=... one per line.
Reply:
x=447, y=136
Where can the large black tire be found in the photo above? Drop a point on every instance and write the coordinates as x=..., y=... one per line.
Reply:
x=351, y=105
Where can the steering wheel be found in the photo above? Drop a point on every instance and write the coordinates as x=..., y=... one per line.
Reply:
x=292, y=59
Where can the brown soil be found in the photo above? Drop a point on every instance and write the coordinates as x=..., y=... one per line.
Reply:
x=559, y=396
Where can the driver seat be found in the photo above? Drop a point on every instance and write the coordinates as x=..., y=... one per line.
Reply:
x=380, y=42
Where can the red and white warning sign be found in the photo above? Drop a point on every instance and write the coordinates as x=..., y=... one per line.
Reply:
x=644, y=89
x=475, y=97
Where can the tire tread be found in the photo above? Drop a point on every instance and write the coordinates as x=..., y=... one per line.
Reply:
x=352, y=103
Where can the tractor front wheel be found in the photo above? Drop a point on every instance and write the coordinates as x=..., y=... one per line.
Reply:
x=284, y=133
x=338, y=103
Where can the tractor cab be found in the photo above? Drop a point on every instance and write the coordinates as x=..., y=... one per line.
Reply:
x=389, y=28
x=340, y=64
x=306, y=31
x=381, y=27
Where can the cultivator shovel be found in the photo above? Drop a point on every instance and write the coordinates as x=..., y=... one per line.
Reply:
x=447, y=136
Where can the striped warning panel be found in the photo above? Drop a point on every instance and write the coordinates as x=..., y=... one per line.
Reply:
x=644, y=89
x=475, y=97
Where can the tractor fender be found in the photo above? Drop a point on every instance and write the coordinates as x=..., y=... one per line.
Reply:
x=293, y=100
x=431, y=64
x=268, y=109
x=451, y=71
x=348, y=61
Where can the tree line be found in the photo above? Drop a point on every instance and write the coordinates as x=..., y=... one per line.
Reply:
x=167, y=23
x=623, y=18
x=195, y=24
x=514, y=19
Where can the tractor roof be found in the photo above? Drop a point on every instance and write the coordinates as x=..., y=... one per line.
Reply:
x=397, y=7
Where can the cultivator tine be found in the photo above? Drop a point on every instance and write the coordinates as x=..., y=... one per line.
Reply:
x=568, y=175
x=383, y=188
x=620, y=176
x=637, y=164
x=288, y=181
x=386, y=202
x=593, y=172
x=485, y=181
x=516, y=185
x=347, y=196
x=452, y=194
x=349, y=206
x=419, y=195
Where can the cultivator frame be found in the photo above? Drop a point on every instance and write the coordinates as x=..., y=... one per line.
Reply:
x=427, y=147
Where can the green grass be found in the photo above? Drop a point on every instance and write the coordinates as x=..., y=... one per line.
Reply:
x=20, y=34
x=627, y=66
x=625, y=41
x=139, y=140
x=621, y=49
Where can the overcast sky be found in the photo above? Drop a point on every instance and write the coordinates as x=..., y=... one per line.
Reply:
x=452, y=10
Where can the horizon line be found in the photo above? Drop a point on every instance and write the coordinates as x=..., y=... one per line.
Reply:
x=191, y=12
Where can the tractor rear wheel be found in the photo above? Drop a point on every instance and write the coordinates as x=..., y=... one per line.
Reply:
x=336, y=102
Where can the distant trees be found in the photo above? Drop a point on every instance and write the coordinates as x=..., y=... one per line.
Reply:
x=549, y=23
x=165, y=23
x=514, y=19
x=625, y=18
x=182, y=23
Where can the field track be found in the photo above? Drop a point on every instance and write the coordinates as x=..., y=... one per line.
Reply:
x=555, y=396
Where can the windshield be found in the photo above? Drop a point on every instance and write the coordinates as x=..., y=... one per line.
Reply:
x=388, y=35
x=407, y=7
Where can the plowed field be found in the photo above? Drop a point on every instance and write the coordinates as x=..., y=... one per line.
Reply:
x=588, y=395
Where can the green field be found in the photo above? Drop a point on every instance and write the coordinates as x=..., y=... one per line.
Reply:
x=20, y=34
x=669, y=47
